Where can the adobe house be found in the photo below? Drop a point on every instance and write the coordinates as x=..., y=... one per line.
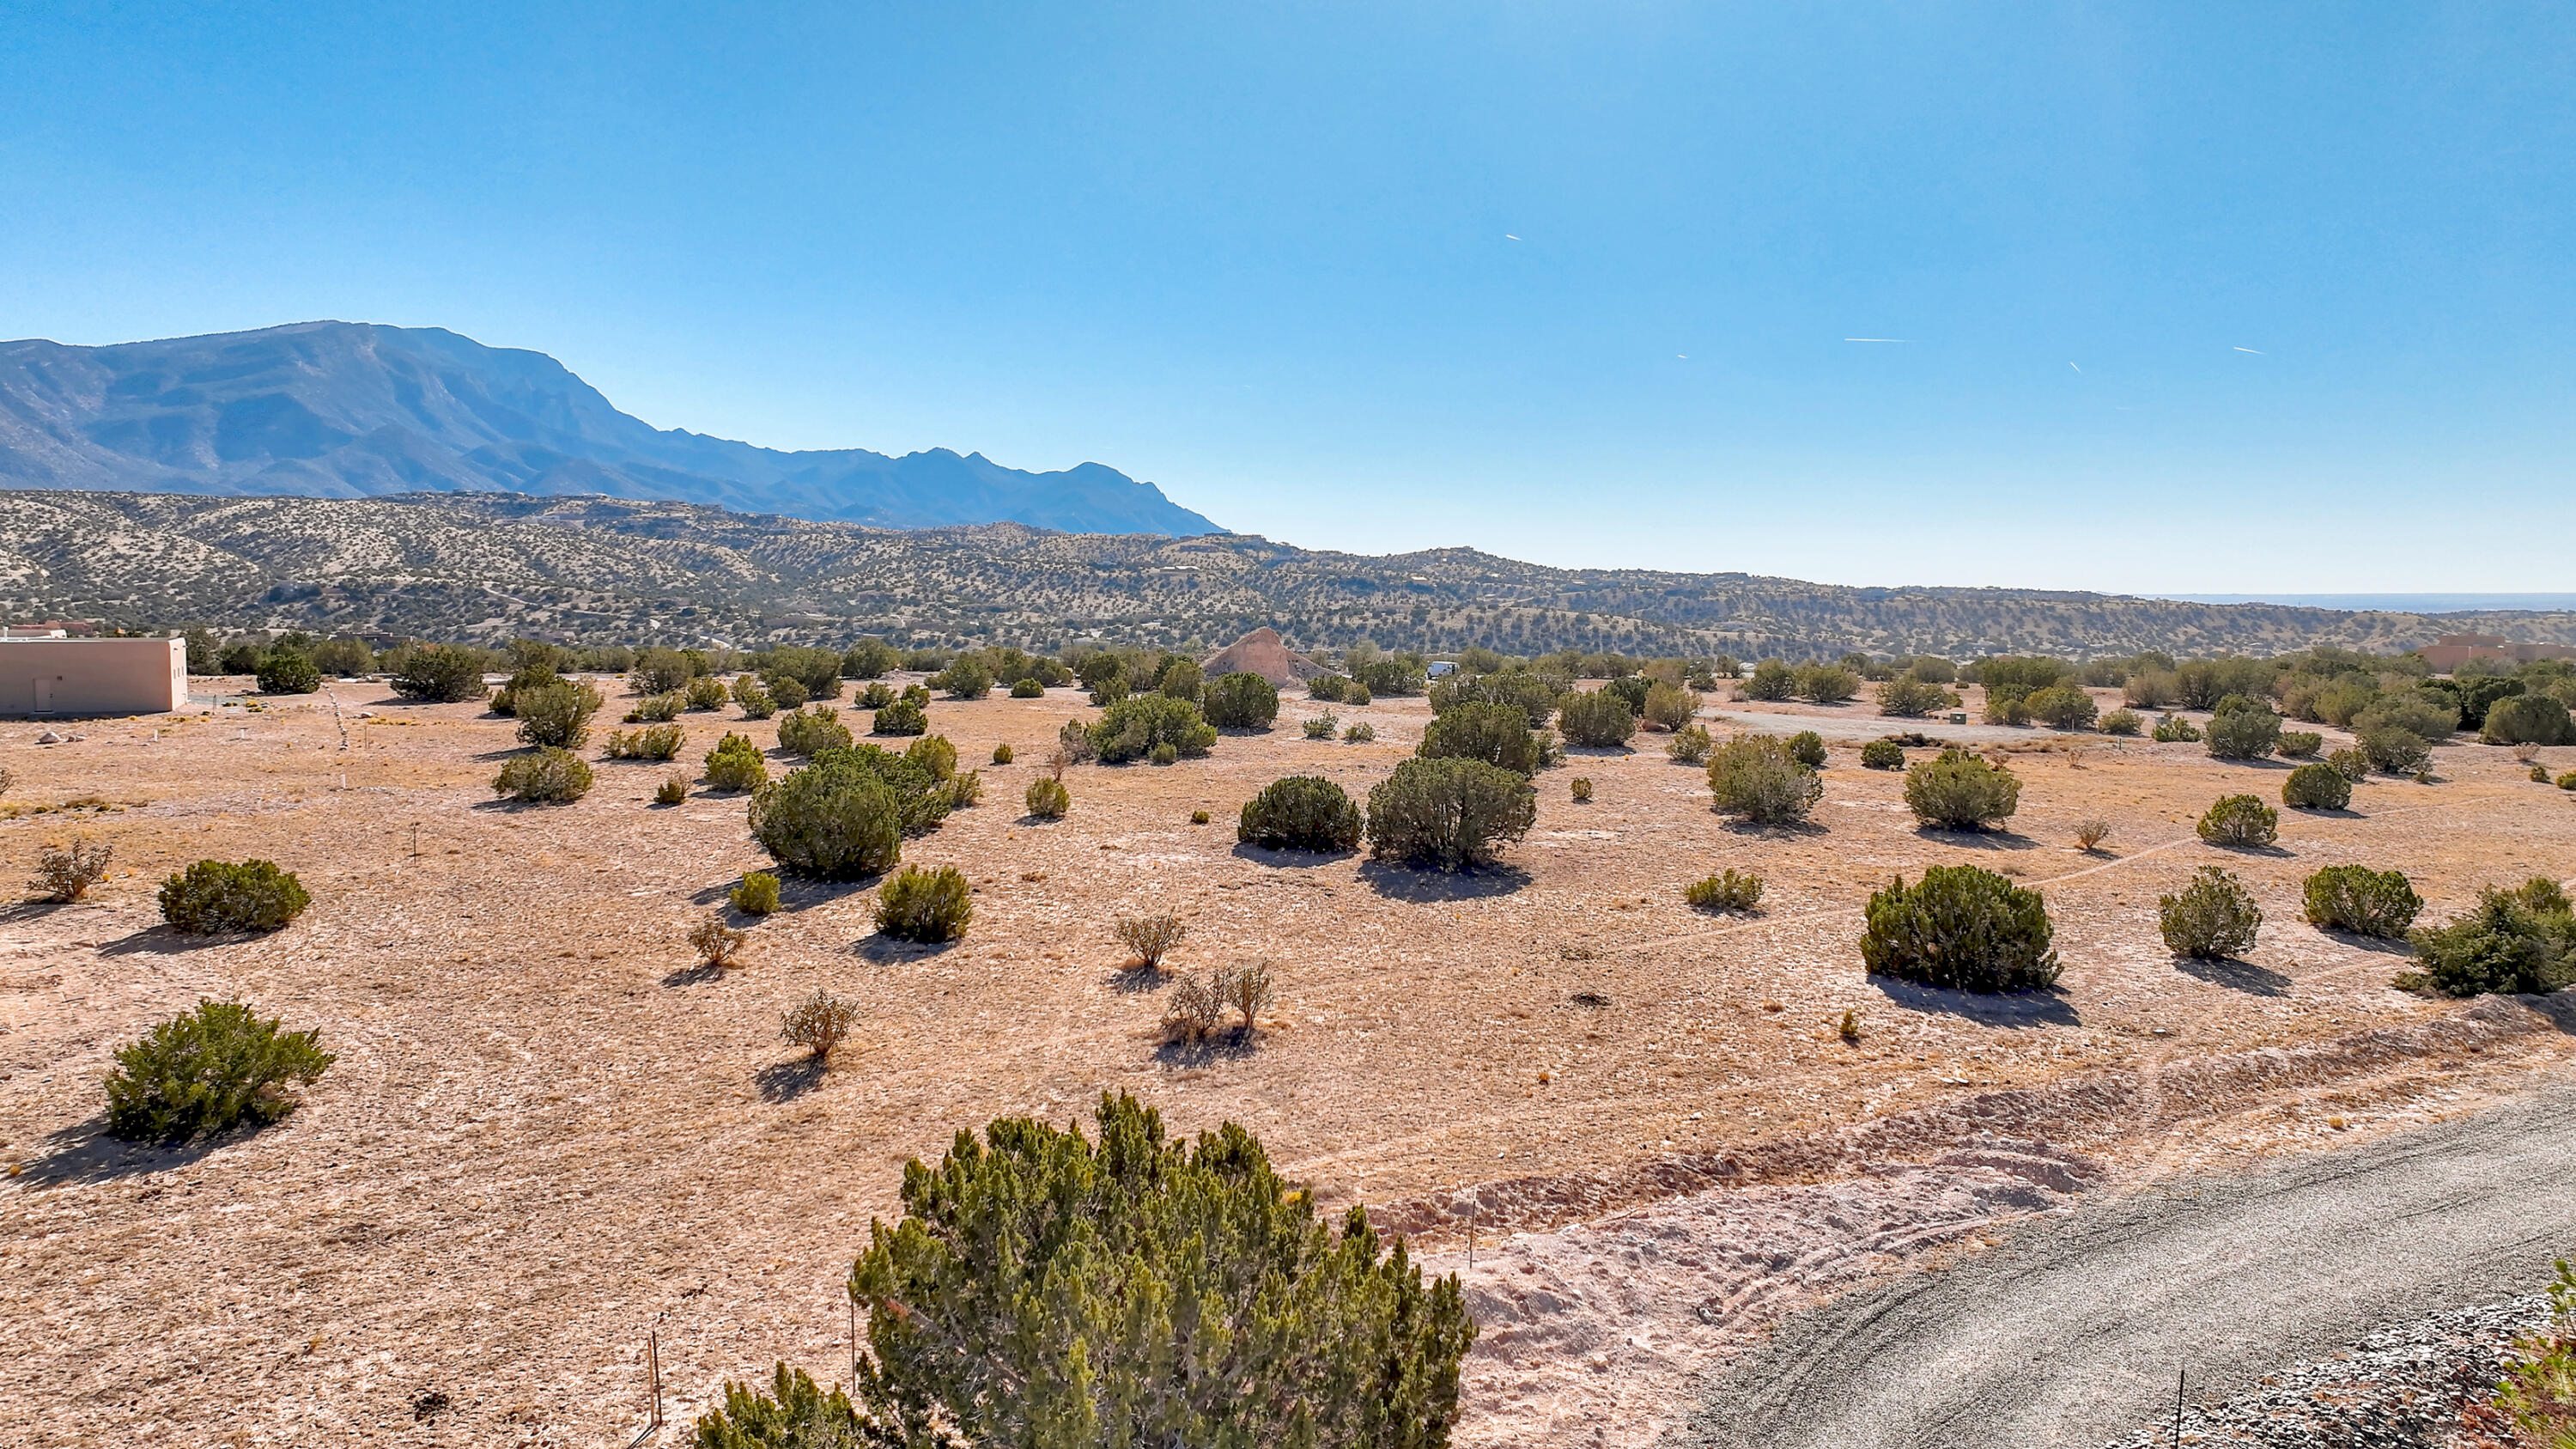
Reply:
x=2449, y=652
x=47, y=678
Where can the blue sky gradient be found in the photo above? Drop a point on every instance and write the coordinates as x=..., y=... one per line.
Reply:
x=2193, y=296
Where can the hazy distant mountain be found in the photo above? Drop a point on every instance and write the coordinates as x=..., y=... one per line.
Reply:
x=354, y=410
x=601, y=570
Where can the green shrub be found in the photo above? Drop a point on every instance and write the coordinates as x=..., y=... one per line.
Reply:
x=2174, y=729
x=2316, y=786
x=555, y=715
x=1669, y=707
x=2122, y=722
x=1826, y=683
x=965, y=789
x=1883, y=755
x=1497, y=734
x=346, y=658
x=1909, y=697
x=1580, y=788
x=2018, y=677
x=754, y=697
x=290, y=671
x=1047, y=799
x=214, y=897
x=1180, y=679
x=1631, y=690
x=1449, y=813
x=2567, y=781
x=673, y=790
x=935, y=754
x=1756, y=777
x=2366, y=902
x=1726, y=891
x=2522, y=719
x=1164, y=754
x=757, y=895
x=2394, y=751
x=1359, y=733
x=2428, y=715
x=1190, y=1289
x=505, y=700
x=1001, y=754
x=736, y=764
x=870, y=658
x=440, y=674
x=1027, y=689
x=1958, y=791
x=704, y=692
x=1772, y=681
x=660, y=671
x=903, y=717
x=925, y=905
x=2251, y=733
x=816, y=671
x=1330, y=688
x=814, y=729
x=544, y=776
x=204, y=1073
x=657, y=742
x=2212, y=918
x=1531, y=693
x=655, y=709
x=2512, y=941
x=1690, y=745
x=2353, y=765
x=2301, y=744
x=786, y=691
x=1395, y=676
x=2006, y=709
x=835, y=819
x=967, y=678
x=2062, y=706
x=877, y=695
x=1808, y=748
x=1241, y=701
x=1597, y=718
x=1322, y=726
x=1134, y=727
x=1963, y=928
x=1302, y=812
x=2240, y=820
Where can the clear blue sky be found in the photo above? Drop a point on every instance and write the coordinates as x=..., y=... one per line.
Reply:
x=1262, y=256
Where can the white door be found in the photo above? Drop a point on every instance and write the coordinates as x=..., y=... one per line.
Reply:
x=44, y=694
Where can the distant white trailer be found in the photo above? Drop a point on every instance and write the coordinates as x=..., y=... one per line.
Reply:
x=45, y=678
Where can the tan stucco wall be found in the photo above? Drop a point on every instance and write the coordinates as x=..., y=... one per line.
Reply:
x=46, y=677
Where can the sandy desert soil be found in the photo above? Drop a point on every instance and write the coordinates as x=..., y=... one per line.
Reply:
x=546, y=1135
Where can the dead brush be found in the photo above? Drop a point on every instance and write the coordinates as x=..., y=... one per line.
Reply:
x=1151, y=938
x=719, y=946
x=1197, y=1009
x=819, y=1023
x=64, y=873
x=2089, y=834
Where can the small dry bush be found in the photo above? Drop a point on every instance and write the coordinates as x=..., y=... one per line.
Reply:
x=928, y=906
x=1669, y=707
x=1322, y=727
x=717, y=944
x=1001, y=754
x=965, y=788
x=1690, y=745
x=2212, y=918
x=547, y=776
x=1580, y=787
x=819, y=1023
x=1360, y=733
x=1047, y=799
x=1758, y=778
x=671, y=791
x=658, y=742
x=704, y=692
x=2122, y=722
x=1197, y=1010
x=655, y=709
x=2089, y=834
x=64, y=873
x=1151, y=938
x=757, y=895
x=1728, y=890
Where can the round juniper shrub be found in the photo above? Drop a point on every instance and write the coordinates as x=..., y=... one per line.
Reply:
x=1241, y=701
x=1808, y=748
x=903, y=717
x=2212, y=918
x=546, y=776
x=1498, y=734
x=1958, y=791
x=2240, y=820
x=2250, y=732
x=736, y=764
x=925, y=905
x=214, y=896
x=1596, y=718
x=1960, y=927
x=1027, y=689
x=2316, y=786
x=835, y=819
x=1047, y=799
x=1883, y=755
x=1756, y=777
x=757, y=895
x=555, y=713
x=2122, y=722
x=1450, y=814
x=2366, y=902
x=206, y=1072
x=290, y=671
x=1301, y=812
x=440, y=674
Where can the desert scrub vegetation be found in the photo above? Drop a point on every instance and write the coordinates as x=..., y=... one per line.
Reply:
x=736, y=764
x=1449, y=814
x=2122, y=721
x=208, y=1071
x=2353, y=765
x=292, y=671
x=654, y=742
x=1963, y=928
x=835, y=819
x=2393, y=751
x=1027, y=689
x=1669, y=707
x=2300, y=744
x=1241, y=701
x=544, y=777
x=555, y=715
x=1359, y=733
x=1001, y=754
x=214, y=897
x=1958, y=791
x=1597, y=719
x=2316, y=786
x=1291, y=1328
x=1882, y=755
x=814, y=729
x=2522, y=719
x=1728, y=890
x=1808, y=748
x=2365, y=902
x=2537, y=1397
x=1579, y=789
x=935, y=754
x=1497, y=734
x=928, y=906
x=2211, y=918
x=1329, y=688
x=877, y=695
x=2240, y=820
x=1756, y=778
x=2174, y=729
x=439, y=674
x=1135, y=727
x=1180, y=679
x=2243, y=729
x=757, y=895
x=2090, y=833
x=1690, y=745
x=1046, y=798
x=2519, y=940
x=718, y=945
x=903, y=717
x=1909, y=697
x=1323, y=726
x=704, y=692
x=819, y=1024
x=753, y=697
x=1771, y=681
x=1534, y=694
x=1197, y=1008
x=654, y=709
x=967, y=678
x=2061, y=706
x=65, y=872
x=1301, y=812
x=1151, y=938
x=660, y=671
x=673, y=790
x=1825, y=684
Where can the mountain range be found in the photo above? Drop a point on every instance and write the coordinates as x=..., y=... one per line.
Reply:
x=487, y=566
x=356, y=410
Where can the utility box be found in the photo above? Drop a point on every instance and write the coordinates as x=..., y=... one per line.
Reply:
x=49, y=678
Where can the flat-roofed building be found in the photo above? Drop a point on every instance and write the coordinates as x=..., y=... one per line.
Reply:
x=2449, y=652
x=45, y=678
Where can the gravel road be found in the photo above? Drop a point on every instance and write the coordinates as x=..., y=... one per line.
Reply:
x=2070, y=1332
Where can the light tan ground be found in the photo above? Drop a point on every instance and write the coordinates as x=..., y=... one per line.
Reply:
x=545, y=1136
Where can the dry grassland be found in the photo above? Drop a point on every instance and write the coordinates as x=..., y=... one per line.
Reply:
x=546, y=1135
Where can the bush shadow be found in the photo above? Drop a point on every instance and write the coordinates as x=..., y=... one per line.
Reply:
x=1288, y=859
x=1408, y=883
x=2234, y=974
x=884, y=949
x=83, y=1154
x=18, y=911
x=2558, y=1006
x=1135, y=980
x=513, y=752
x=2322, y=813
x=1772, y=830
x=2014, y=1009
x=1976, y=839
x=2376, y=945
x=693, y=974
x=1230, y=1045
x=2274, y=852
x=165, y=940
x=787, y=1081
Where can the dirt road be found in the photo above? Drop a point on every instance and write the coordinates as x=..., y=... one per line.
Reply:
x=2071, y=1332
